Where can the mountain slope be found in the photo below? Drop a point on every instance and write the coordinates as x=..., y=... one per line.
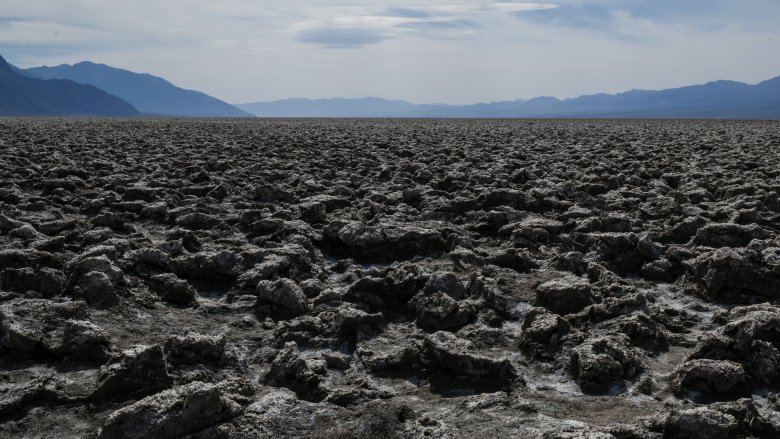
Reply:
x=719, y=99
x=24, y=96
x=149, y=94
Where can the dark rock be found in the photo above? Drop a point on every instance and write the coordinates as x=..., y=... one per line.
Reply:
x=188, y=240
x=518, y=260
x=349, y=320
x=7, y=224
x=272, y=267
x=659, y=270
x=446, y=282
x=302, y=329
x=176, y=412
x=197, y=221
x=573, y=262
x=46, y=282
x=749, y=338
x=149, y=261
x=303, y=376
x=136, y=372
x=706, y=380
x=357, y=395
x=35, y=326
x=640, y=328
x=734, y=276
x=111, y=220
x=142, y=193
x=386, y=354
x=220, y=192
x=388, y=241
x=171, y=289
x=337, y=360
x=610, y=308
x=209, y=265
x=683, y=231
x=446, y=351
x=504, y=197
x=282, y=298
x=16, y=258
x=195, y=349
x=603, y=364
x=542, y=332
x=98, y=265
x=565, y=295
x=440, y=311
x=313, y=212
x=607, y=223
x=729, y=235
x=269, y=194
x=96, y=288
x=25, y=233
x=620, y=250
x=699, y=422
x=648, y=250
x=391, y=288
x=155, y=210
x=311, y=288
x=278, y=413
x=84, y=340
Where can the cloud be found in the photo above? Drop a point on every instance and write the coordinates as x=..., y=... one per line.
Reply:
x=458, y=23
x=342, y=37
x=603, y=16
x=405, y=12
x=509, y=6
x=586, y=16
x=373, y=25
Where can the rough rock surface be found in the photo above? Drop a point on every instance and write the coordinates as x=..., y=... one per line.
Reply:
x=175, y=413
x=389, y=279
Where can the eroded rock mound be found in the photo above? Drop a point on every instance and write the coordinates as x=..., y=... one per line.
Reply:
x=177, y=412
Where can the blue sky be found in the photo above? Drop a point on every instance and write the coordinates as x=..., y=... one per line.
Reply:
x=422, y=51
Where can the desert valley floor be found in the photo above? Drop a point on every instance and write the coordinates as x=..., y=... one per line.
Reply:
x=389, y=279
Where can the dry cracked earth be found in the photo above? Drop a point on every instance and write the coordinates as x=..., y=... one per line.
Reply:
x=389, y=279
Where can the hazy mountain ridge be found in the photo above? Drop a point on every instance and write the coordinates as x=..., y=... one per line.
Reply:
x=341, y=107
x=718, y=99
x=21, y=95
x=149, y=94
x=153, y=95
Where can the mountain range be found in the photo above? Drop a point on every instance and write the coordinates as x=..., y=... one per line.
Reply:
x=89, y=89
x=339, y=107
x=21, y=95
x=149, y=94
x=714, y=100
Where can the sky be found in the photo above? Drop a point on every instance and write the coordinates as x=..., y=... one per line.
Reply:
x=433, y=51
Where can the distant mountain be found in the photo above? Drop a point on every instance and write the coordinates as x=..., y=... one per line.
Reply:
x=20, y=71
x=149, y=94
x=365, y=107
x=714, y=100
x=24, y=96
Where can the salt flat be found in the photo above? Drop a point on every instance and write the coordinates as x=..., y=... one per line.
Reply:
x=389, y=278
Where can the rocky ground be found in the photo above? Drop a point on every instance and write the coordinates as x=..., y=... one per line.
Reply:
x=380, y=279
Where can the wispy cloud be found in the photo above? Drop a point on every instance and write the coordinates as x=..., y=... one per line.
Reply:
x=605, y=16
x=360, y=26
x=343, y=37
x=510, y=6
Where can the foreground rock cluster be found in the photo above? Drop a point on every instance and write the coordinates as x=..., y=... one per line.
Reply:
x=380, y=279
